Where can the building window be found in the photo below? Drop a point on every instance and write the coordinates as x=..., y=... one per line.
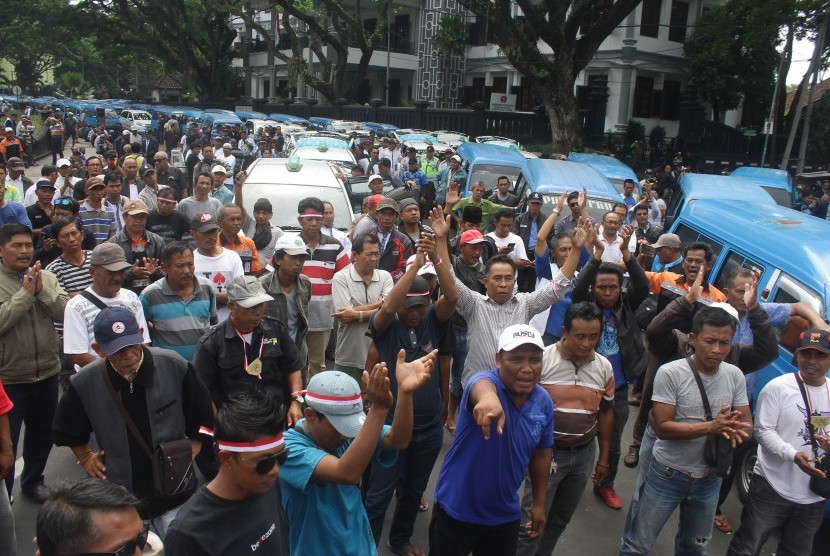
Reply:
x=643, y=93
x=678, y=21
x=650, y=20
x=500, y=85
x=671, y=100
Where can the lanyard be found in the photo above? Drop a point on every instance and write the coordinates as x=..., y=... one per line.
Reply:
x=245, y=351
x=812, y=407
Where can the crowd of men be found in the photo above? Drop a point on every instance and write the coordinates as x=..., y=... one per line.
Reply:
x=146, y=316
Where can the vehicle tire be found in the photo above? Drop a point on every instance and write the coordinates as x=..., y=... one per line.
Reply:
x=745, y=467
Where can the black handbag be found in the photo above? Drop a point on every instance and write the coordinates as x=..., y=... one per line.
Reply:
x=818, y=485
x=171, y=462
x=718, y=451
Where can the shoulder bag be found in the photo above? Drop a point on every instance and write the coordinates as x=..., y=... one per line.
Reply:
x=818, y=485
x=172, y=462
x=718, y=451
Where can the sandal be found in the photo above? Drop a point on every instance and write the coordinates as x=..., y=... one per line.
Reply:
x=722, y=523
x=407, y=550
x=423, y=506
x=451, y=429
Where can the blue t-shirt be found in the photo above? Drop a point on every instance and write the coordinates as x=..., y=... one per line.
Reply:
x=610, y=347
x=479, y=480
x=430, y=334
x=327, y=518
x=14, y=213
x=556, y=316
x=778, y=313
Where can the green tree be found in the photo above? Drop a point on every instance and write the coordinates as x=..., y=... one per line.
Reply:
x=450, y=40
x=328, y=28
x=732, y=52
x=73, y=84
x=818, y=146
x=573, y=30
x=33, y=33
x=190, y=37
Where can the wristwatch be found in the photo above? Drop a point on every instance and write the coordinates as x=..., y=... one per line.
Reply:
x=297, y=398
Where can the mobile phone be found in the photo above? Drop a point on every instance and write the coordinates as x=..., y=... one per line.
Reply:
x=511, y=246
x=647, y=250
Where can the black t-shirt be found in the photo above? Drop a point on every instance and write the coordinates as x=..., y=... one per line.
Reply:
x=38, y=217
x=207, y=524
x=419, y=341
x=171, y=227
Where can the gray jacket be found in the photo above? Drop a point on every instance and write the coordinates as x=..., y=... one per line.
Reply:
x=278, y=308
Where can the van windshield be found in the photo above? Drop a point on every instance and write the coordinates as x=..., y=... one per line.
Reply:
x=781, y=196
x=490, y=173
x=596, y=207
x=285, y=197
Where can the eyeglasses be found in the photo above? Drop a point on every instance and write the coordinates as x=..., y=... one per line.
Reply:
x=128, y=549
x=265, y=465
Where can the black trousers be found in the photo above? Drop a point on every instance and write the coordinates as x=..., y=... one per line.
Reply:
x=450, y=537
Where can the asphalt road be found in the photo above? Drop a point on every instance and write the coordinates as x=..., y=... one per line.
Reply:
x=594, y=530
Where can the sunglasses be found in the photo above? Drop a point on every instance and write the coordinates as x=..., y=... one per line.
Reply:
x=64, y=203
x=265, y=465
x=128, y=549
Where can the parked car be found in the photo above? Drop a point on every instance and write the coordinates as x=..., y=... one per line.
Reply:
x=286, y=181
x=136, y=120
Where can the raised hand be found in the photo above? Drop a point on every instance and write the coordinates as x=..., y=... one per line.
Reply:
x=580, y=233
x=696, y=288
x=413, y=375
x=625, y=236
x=439, y=223
x=453, y=195
x=376, y=387
x=751, y=295
x=583, y=200
x=560, y=203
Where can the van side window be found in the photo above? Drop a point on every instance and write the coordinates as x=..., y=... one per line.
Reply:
x=732, y=262
x=790, y=290
x=673, y=209
x=688, y=235
x=520, y=189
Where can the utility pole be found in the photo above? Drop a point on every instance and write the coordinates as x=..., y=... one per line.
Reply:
x=388, y=45
x=805, y=134
x=814, y=67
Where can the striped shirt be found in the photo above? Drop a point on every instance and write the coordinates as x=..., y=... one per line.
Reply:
x=80, y=313
x=179, y=323
x=100, y=222
x=327, y=258
x=71, y=278
x=576, y=393
x=486, y=319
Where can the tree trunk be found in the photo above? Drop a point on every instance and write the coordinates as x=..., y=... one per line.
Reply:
x=563, y=111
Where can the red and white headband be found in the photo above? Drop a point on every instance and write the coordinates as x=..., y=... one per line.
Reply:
x=417, y=294
x=311, y=215
x=254, y=446
x=329, y=400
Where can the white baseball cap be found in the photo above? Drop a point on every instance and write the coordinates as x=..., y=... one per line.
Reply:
x=519, y=335
x=291, y=244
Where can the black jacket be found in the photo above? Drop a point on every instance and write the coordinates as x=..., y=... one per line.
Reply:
x=521, y=227
x=629, y=335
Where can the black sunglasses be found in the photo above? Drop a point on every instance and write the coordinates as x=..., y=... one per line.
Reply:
x=128, y=549
x=265, y=465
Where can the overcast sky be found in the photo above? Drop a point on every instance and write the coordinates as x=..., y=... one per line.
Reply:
x=802, y=52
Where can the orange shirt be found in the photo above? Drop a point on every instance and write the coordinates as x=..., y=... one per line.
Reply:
x=657, y=279
x=247, y=251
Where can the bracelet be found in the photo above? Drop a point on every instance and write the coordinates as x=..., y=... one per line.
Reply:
x=440, y=262
x=601, y=465
x=556, y=211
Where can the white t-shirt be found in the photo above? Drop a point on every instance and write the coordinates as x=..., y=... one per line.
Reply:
x=219, y=271
x=518, y=251
x=781, y=431
x=79, y=317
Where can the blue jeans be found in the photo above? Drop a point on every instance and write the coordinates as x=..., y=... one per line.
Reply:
x=649, y=437
x=765, y=511
x=8, y=541
x=663, y=490
x=34, y=405
x=620, y=419
x=565, y=489
x=459, y=356
x=409, y=476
